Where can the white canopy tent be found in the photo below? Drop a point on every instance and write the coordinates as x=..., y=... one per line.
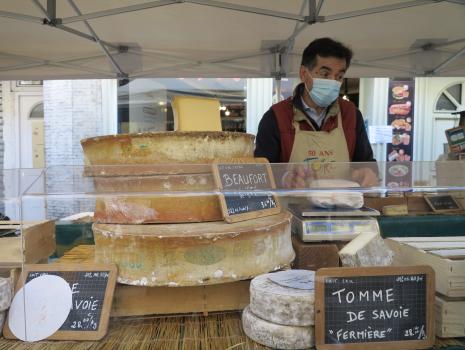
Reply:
x=70, y=39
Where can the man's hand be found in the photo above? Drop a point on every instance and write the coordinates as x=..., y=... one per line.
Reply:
x=366, y=177
x=298, y=176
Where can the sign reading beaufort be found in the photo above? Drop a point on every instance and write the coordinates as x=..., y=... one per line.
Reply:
x=389, y=306
x=246, y=188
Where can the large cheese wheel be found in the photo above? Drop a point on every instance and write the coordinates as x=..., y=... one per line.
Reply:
x=166, y=147
x=161, y=208
x=279, y=304
x=276, y=335
x=5, y=293
x=195, y=254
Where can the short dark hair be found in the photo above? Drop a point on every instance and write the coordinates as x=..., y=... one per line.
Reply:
x=325, y=47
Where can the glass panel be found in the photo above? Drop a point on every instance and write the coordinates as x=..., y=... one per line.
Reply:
x=145, y=104
x=37, y=112
x=444, y=104
x=456, y=92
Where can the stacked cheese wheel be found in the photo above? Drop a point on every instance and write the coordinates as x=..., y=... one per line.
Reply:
x=158, y=216
x=280, y=315
x=5, y=299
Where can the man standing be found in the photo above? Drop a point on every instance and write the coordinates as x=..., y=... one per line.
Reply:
x=315, y=125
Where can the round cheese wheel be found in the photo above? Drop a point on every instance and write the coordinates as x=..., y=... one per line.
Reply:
x=275, y=335
x=158, y=208
x=166, y=147
x=281, y=304
x=196, y=253
x=5, y=293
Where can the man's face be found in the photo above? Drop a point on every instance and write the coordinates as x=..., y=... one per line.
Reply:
x=325, y=68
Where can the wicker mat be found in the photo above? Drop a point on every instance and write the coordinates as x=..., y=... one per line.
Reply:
x=213, y=332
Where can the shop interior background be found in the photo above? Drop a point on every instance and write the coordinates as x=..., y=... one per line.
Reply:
x=43, y=121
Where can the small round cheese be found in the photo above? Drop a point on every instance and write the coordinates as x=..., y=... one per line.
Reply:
x=5, y=293
x=274, y=335
x=280, y=304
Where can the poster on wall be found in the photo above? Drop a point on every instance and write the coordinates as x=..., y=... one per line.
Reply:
x=401, y=118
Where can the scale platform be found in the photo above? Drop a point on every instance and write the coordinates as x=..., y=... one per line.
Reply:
x=316, y=224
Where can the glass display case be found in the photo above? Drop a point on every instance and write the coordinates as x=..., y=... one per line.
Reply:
x=161, y=255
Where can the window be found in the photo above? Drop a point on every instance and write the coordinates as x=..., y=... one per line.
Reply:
x=37, y=112
x=451, y=99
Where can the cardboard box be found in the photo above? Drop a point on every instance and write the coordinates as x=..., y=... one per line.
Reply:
x=39, y=243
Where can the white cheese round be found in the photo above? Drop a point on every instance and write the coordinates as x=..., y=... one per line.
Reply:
x=281, y=304
x=5, y=293
x=274, y=335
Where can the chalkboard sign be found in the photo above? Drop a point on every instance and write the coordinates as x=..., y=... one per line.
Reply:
x=92, y=287
x=246, y=188
x=442, y=203
x=386, y=307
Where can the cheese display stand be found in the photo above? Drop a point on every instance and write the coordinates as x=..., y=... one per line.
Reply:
x=163, y=269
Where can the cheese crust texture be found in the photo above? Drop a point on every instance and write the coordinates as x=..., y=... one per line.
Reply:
x=197, y=253
x=274, y=335
x=161, y=208
x=166, y=147
x=5, y=293
x=282, y=305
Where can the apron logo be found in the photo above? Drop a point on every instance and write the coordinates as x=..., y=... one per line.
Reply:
x=321, y=153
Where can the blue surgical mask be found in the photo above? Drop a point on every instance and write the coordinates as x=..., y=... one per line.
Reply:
x=324, y=91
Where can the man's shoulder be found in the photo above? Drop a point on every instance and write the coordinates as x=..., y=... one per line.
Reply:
x=284, y=106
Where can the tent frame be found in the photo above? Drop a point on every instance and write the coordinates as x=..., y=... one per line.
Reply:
x=280, y=53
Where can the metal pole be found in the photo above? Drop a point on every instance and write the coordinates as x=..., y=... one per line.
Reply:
x=97, y=40
x=446, y=62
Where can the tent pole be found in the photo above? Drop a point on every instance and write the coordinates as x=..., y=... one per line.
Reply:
x=379, y=9
x=99, y=43
x=446, y=62
x=249, y=9
x=460, y=2
x=278, y=88
x=119, y=10
x=52, y=10
x=318, y=8
x=21, y=17
x=41, y=8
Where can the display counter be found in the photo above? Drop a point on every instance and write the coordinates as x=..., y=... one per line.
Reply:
x=186, y=239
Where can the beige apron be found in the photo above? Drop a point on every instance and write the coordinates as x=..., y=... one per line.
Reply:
x=321, y=148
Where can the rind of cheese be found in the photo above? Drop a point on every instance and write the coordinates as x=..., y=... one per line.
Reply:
x=326, y=199
x=197, y=253
x=5, y=293
x=274, y=335
x=166, y=147
x=161, y=208
x=2, y=321
x=121, y=184
x=367, y=249
x=282, y=305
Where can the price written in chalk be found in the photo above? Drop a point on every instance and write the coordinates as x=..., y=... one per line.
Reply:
x=246, y=189
x=380, y=308
x=88, y=291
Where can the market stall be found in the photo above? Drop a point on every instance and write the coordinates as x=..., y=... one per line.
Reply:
x=194, y=245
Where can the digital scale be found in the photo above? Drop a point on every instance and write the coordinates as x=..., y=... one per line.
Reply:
x=317, y=224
